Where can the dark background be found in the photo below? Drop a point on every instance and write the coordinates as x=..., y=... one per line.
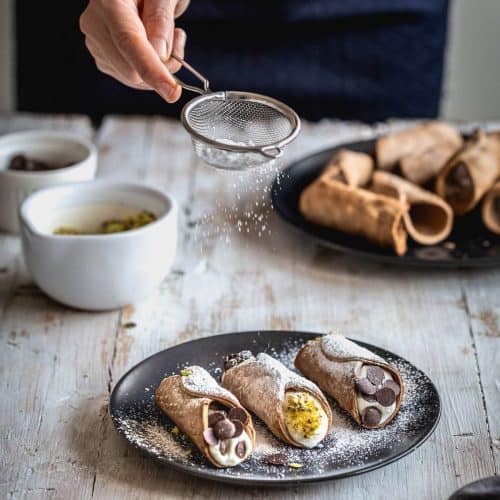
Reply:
x=349, y=59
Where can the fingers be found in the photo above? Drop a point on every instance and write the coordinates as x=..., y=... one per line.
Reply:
x=158, y=18
x=117, y=39
x=181, y=7
x=178, y=49
x=129, y=36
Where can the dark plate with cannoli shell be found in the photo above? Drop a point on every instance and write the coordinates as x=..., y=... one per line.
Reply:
x=470, y=244
x=348, y=450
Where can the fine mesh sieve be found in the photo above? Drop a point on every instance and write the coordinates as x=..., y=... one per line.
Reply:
x=236, y=130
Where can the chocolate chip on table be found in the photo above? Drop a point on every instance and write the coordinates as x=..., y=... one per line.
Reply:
x=240, y=449
x=224, y=445
x=365, y=387
x=209, y=436
x=371, y=416
x=213, y=418
x=238, y=428
x=375, y=374
x=224, y=429
x=238, y=414
x=385, y=396
x=277, y=459
x=392, y=385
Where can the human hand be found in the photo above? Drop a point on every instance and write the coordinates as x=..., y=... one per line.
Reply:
x=132, y=41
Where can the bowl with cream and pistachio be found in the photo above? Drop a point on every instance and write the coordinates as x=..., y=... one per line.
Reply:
x=99, y=245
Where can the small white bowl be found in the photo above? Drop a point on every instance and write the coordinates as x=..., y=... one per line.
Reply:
x=63, y=147
x=103, y=271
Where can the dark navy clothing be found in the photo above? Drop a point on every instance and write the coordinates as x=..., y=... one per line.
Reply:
x=350, y=59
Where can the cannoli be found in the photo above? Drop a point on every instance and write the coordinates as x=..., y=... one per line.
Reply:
x=470, y=173
x=357, y=211
x=391, y=149
x=292, y=407
x=209, y=414
x=491, y=209
x=363, y=384
x=429, y=219
x=422, y=167
x=351, y=167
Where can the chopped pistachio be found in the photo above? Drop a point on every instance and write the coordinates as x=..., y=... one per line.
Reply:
x=186, y=373
x=295, y=465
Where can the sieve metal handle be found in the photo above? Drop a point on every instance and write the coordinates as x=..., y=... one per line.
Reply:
x=197, y=74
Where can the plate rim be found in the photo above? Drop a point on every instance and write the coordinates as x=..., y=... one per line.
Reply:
x=269, y=481
x=410, y=262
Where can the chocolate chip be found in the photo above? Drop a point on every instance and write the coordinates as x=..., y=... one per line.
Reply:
x=213, y=418
x=224, y=445
x=364, y=386
x=233, y=360
x=238, y=428
x=371, y=416
x=393, y=385
x=238, y=414
x=369, y=398
x=277, y=459
x=385, y=396
x=17, y=162
x=209, y=436
x=241, y=449
x=224, y=429
x=375, y=374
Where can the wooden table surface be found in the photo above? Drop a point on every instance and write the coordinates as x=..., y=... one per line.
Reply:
x=58, y=366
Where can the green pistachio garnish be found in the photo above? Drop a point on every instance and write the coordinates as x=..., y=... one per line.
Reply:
x=186, y=373
x=295, y=465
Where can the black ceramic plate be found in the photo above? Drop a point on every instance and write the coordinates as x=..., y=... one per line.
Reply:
x=469, y=245
x=348, y=451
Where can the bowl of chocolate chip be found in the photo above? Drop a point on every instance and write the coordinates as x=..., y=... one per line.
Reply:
x=36, y=159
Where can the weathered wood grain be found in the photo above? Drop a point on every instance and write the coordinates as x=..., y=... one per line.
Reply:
x=224, y=280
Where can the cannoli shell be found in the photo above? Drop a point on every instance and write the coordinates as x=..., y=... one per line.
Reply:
x=491, y=209
x=357, y=211
x=260, y=384
x=186, y=400
x=334, y=363
x=422, y=167
x=391, y=149
x=355, y=168
x=429, y=219
x=480, y=156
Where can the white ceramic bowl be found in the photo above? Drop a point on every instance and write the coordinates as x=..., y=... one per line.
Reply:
x=102, y=271
x=63, y=147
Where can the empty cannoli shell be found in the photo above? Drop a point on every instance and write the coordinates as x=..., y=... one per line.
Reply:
x=470, y=173
x=334, y=363
x=351, y=167
x=261, y=383
x=186, y=398
x=429, y=218
x=422, y=167
x=491, y=209
x=392, y=148
x=357, y=211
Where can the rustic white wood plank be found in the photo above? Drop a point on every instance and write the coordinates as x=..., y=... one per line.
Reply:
x=482, y=299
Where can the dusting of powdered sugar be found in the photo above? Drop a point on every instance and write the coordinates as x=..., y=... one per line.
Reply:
x=349, y=447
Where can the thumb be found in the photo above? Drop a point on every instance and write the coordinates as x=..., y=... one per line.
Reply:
x=158, y=18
